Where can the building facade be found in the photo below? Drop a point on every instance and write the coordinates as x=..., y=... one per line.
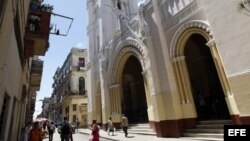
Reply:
x=46, y=107
x=170, y=63
x=22, y=41
x=70, y=98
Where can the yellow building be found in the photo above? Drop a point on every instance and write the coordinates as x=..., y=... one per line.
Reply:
x=69, y=98
x=75, y=108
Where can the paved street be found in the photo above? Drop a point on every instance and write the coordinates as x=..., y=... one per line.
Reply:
x=83, y=134
x=76, y=137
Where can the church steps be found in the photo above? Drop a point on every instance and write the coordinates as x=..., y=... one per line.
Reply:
x=210, y=129
x=142, y=129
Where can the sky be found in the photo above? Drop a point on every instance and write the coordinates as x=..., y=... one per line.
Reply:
x=60, y=45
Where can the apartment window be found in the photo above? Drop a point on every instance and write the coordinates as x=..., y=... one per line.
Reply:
x=34, y=23
x=74, y=107
x=3, y=116
x=2, y=8
x=81, y=84
x=74, y=118
x=18, y=34
x=67, y=111
x=81, y=62
x=69, y=87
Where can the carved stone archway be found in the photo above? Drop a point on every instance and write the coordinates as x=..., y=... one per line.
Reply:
x=187, y=29
x=120, y=55
x=123, y=49
x=180, y=67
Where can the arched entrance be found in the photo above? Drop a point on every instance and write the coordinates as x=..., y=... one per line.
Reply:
x=206, y=87
x=133, y=101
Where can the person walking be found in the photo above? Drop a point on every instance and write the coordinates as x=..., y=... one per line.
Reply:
x=77, y=124
x=65, y=130
x=26, y=131
x=35, y=133
x=95, y=131
x=110, y=126
x=51, y=130
x=125, y=124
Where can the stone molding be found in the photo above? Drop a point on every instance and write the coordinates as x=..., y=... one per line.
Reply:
x=176, y=59
x=204, y=25
x=129, y=45
x=189, y=9
x=211, y=43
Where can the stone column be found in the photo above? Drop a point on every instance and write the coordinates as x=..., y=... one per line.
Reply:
x=182, y=77
x=178, y=80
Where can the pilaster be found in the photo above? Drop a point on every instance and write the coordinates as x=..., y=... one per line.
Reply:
x=231, y=103
x=115, y=102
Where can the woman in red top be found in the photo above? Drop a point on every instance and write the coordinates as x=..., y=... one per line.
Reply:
x=95, y=131
x=36, y=133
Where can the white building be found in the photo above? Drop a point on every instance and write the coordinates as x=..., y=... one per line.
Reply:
x=170, y=63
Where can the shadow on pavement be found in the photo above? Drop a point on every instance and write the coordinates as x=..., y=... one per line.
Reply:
x=130, y=136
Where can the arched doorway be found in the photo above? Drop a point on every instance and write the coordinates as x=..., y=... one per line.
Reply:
x=133, y=100
x=206, y=87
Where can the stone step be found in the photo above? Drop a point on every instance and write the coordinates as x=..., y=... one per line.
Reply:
x=139, y=125
x=206, y=122
x=204, y=135
x=140, y=133
x=140, y=130
x=204, y=131
x=203, y=138
x=211, y=126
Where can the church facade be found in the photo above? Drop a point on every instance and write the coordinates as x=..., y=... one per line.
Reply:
x=169, y=63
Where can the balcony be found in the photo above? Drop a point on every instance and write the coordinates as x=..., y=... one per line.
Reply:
x=36, y=74
x=37, y=29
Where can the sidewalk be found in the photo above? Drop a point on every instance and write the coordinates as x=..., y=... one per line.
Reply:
x=132, y=137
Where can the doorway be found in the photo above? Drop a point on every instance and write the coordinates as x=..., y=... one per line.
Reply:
x=133, y=100
x=206, y=87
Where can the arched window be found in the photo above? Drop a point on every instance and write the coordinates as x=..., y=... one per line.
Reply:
x=81, y=85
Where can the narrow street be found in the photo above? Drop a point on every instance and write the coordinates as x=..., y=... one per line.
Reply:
x=145, y=70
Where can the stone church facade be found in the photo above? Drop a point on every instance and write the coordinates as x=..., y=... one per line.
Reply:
x=169, y=63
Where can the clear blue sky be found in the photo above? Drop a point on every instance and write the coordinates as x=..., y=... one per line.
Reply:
x=60, y=45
